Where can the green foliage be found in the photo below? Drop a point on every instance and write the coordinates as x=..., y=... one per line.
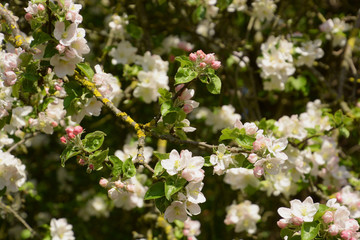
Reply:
x=309, y=230
x=157, y=190
x=69, y=152
x=128, y=168
x=93, y=141
x=173, y=184
x=185, y=75
x=116, y=167
x=86, y=69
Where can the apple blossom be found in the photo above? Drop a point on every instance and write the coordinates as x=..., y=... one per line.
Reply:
x=61, y=230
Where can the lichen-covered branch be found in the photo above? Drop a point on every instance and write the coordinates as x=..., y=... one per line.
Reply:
x=120, y=114
x=17, y=39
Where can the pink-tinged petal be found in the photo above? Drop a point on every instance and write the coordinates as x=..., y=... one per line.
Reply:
x=193, y=208
x=59, y=30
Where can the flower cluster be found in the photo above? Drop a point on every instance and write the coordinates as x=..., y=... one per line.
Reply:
x=335, y=29
x=71, y=41
x=189, y=168
x=263, y=9
x=244, y=216
x=71, y=133
x=203, y=60
x=191, y=229
x=12, y=172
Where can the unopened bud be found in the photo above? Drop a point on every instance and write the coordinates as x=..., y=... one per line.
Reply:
x=202, y=65
x=28, y=16
x=71, y=135
x=54, y=124
x=215, y=65
x=103, y=182
x=130, y=188
x=282, y=223
x=192, y=57
x=119, y=184
x=81, y=162
x=61, y=48
x=41, y=7
x=78, y=130
x=328, y=217
x=63, y=139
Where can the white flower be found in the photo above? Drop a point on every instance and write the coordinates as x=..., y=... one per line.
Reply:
x=149, y=84
x=4, y=139
x=107, y=84
x=276, y=146
x=175, y=211
x=152, y=62
x=175, y=163
x=193, y=192
x=206, y=28
x=12, y=172
x=309, y=51
x=94, y=207
x=130, y=200
x=117, y=25
x=124, y=53
x=65, y=37
x=61, y=230
x=187, y=127
x=244, y=216
x=240, y=178
x=276, y=62
x=237, y=5
x=222, y=118
x=291, y=127
x=302, y=210
x=32, y=8
x=64, y=65
x=18, y=118
x=191, y=228
x=263, y=9
x=220, y=160
x=313, y=117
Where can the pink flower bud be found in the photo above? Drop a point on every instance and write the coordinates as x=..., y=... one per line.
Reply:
x=209, y=58
x=119, y=184
x=200, y=54
x=103, y=182
x=63, y=139
x=41, y=7
x=339, y=197
x=58, y=88
x=70, y=53
x=54, y=124
x=69, y=130
x=328, y=217
x=91, y=166
x=81, y=162
x=61, y=48
x=192, y=57
x=215, y=65
x=78, y=130
x=202, y=65
x=130, y=188
x=333, y=230
x=188, y=108
x=179, y=87
x=346, y=234
x=71, y=135
x=171, y=58
x=252, y=157
x=10, y=78
x=297, y=221
x=186, y=232
x=282, y=223
x=28, y=16
x=258, y=171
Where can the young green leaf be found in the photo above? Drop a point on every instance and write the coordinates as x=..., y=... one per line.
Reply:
x=93, y=141
x=69, y=152
x=173, y=184
x=309, y=230
x=214, y=85
x=185, y=75
x=155, y=191
x=128, y=168
x=98, y=158
x=116, y=165
x=86, y=69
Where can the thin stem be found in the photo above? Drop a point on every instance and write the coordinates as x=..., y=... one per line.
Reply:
x=13, y=147
x=12, y=211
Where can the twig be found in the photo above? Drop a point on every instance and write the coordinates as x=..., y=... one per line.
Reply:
x=21, y=142
x=10, y=210
x=17, y=39
x=205, y=145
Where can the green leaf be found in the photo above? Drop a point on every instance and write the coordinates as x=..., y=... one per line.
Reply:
x=116, y=165
x=162, y=204
x=161, y=2
x=309, y=230
x=86, y=69
x=322, y=209
x=161, y=156
x=229, y=134
x=69, y=152
x=185, y=75
x=128, y=168
x=343, y=131
x=245, y=141
x=93, y=141
x=155, y=191
x=98, y=158
x=173, y=184
x=158, y=169
x=198, y=14
x=204, y=78
x=39, y=38
x=214, y=85
x=134, y=31
x=207, y=162
x=239, y=160
x=165, y=95
x=286, y=232
x=165, y=107
x=50, y=50
x=184, y=61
